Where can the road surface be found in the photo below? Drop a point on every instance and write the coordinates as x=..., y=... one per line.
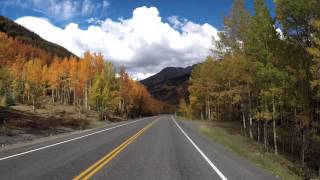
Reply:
x=144, y=149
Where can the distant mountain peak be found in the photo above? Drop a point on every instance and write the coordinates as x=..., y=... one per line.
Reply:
x=170, y=84
x=168, y=73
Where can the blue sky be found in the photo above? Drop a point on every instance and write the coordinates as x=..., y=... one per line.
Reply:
x=144, y=36
x=199, y=11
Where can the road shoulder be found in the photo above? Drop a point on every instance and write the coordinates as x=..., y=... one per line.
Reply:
x=58, y=137
x=240, y=147
x=230, y=163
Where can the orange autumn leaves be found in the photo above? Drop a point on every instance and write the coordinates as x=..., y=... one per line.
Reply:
x=136, y=100
x=11, y=50
x=88, y=83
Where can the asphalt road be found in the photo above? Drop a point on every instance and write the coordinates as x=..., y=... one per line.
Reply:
x=145, y=149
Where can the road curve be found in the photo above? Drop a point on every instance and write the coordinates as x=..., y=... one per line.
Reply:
x=146, y=149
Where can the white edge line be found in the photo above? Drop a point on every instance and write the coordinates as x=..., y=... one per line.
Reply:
x=69, y=140
x=199, y=150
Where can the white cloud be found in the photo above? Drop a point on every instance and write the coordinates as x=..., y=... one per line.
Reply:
x=105, y=4
x=86, y=7
x=140, y=76
x=64, y=9
x=143, y=43
x=176, y=22
x=94, y=20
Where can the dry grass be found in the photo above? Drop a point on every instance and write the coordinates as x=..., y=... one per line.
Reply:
x=20, y=123
x=240, y=145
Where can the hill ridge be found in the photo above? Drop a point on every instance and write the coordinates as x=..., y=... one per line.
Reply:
x=20, y=33
x=170, y=84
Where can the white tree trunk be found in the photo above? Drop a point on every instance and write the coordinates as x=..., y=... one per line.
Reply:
x=244, y=123
x=86, y=95
x=33, y=104
x=274, y=128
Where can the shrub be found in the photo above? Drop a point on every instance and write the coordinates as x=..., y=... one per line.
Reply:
x=6, y=101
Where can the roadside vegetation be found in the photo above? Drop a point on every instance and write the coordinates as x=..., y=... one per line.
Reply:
x=89, y=83
x=265, y=79
x=21, y=124
x=65, y=91
x=227, y=135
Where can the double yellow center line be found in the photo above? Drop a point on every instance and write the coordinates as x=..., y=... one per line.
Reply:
x=92, y=170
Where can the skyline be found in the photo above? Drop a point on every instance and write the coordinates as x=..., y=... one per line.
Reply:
x=143, y=36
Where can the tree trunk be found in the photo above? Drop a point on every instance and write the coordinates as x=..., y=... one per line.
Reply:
x=275, y=137
x=63, y=95
x=79, y=115
x=68, y=96
x=209, y=115
x=258, y=131
x=250, y=120
x=23, y=97
x=265, y=135
x=292, y=144
x=303, y=148
x=102, y=116
x=201, y=113
x=86, y=95
x=244, y=123
x=58, y=95
x=207, y=108
x=218, y=112
x=74, y=96
x=274, y=128
x=250, y=112
x=293, y=137
x=33, y=104
x=52, y=94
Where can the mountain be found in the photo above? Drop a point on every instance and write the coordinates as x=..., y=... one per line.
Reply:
x=170, y=84
x=26, y=36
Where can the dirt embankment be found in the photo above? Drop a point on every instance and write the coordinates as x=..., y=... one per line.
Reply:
x=21, y=124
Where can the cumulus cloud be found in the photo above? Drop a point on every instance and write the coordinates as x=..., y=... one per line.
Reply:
x=144, y=43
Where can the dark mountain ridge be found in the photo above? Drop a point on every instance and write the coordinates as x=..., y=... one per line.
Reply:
x=24, y=35
x=170, y=84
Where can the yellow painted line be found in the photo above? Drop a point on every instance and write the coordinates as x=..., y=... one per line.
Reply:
x=92, y=170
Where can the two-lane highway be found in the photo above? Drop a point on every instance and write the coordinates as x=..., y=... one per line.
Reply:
x=150, y=148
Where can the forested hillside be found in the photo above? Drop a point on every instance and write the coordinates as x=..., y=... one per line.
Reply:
x=27, y=37
x=90, y=82
x=46, y=90
x=170, y=84
x=33, y=74
x=267, y=79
